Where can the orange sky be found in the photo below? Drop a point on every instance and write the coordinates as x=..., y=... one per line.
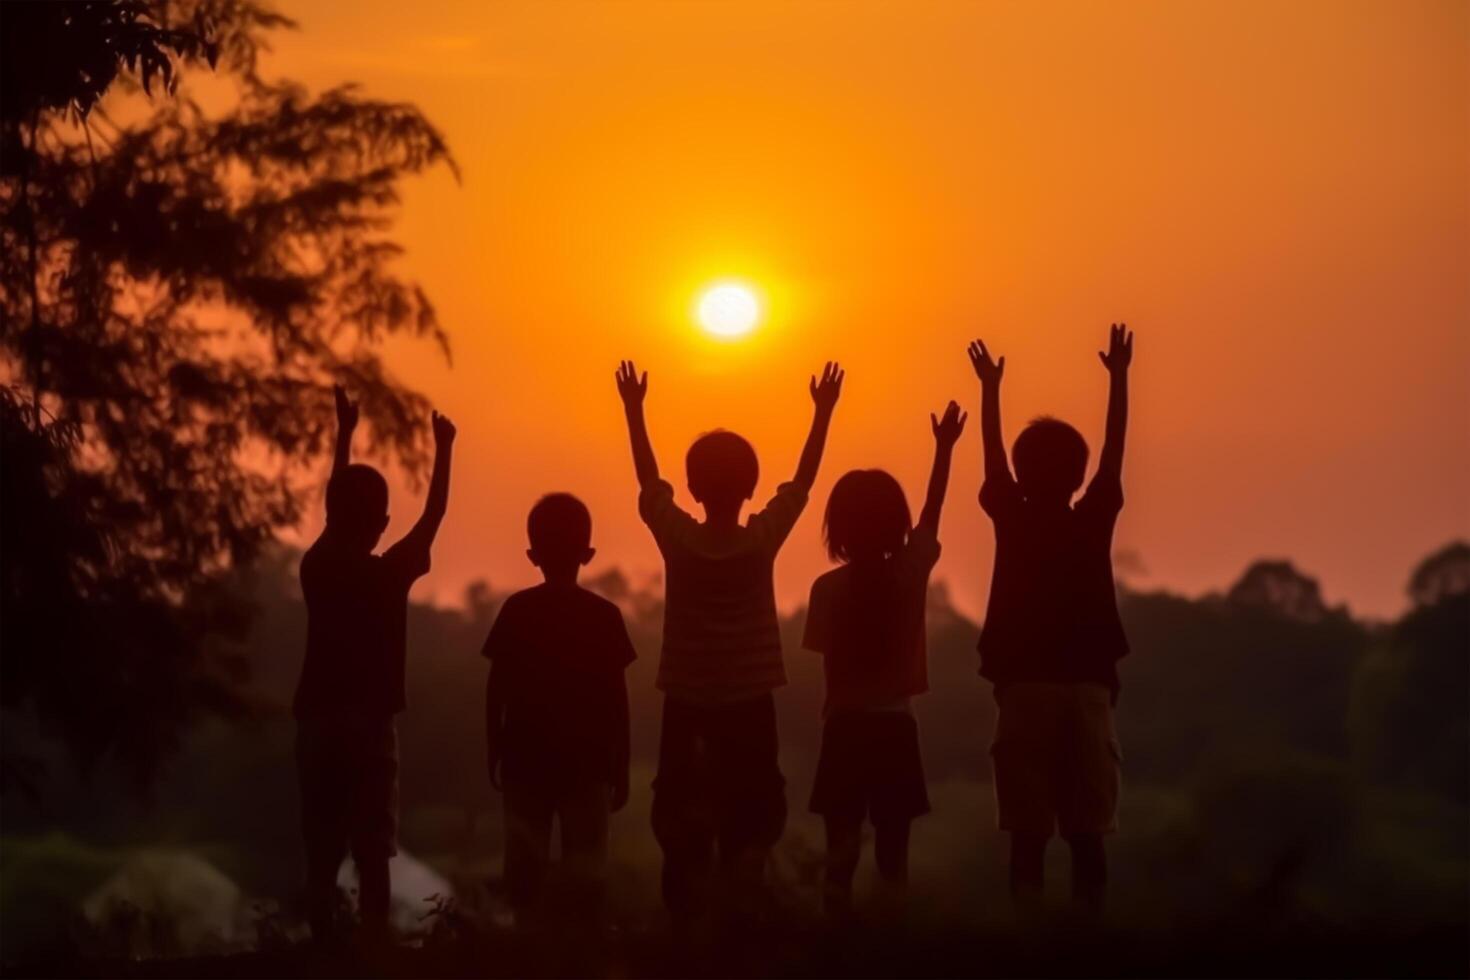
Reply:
x=1275, y=195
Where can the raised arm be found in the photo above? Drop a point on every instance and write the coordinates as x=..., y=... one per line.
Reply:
x=824, y=399
x=946, y=433
x=438, y=499
x=989, y=372
x=1117, y=359
x=632, y=388
x=346, y=426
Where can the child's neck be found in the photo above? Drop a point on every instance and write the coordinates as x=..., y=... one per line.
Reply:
x=560, y=578
x=722, y=517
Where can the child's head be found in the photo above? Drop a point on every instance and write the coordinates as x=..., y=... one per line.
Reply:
x=722, y=469
x=1051, y=459
x=357, y=505
x=560, y=530
x=867, y=517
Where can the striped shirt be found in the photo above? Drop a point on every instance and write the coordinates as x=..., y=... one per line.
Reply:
x=722, y=638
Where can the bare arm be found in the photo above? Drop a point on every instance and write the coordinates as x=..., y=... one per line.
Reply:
x=346, y=426
x=989, y=372
x=1117, y=359
x=946, y=434
x=824, y=398
x=494, y=719
x=632, y=389
x=438, y=498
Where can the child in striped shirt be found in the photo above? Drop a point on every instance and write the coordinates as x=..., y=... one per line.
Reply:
x=719, y=787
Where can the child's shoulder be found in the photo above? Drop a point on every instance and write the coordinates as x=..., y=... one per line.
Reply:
x=589, y=598
x=831, y=581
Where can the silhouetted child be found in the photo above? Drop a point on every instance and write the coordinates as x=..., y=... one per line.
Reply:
x=556, y=710
x=719, y=786
x=352, y=680
x=1052, y=635
x=867, y=620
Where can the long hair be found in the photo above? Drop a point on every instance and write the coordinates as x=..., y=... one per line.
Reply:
x=867, y=516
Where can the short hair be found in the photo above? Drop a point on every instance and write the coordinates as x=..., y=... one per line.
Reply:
x=1050, y=457
x=866, y=514
x=721, y=466
x=559, y=526
x=357, y=494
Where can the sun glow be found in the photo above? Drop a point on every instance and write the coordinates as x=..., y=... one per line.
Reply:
x=728, y=309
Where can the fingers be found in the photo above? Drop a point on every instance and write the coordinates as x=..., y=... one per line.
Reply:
x=980, y=359
x=933, y=423
x=829, y=381
x=628, y=379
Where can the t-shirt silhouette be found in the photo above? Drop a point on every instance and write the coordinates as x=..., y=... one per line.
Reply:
x=867, y=620
x=562, y=651
x=356, y=626
x=1053, y=611
x=722, y=638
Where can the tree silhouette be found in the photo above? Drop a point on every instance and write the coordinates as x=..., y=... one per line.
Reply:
x=1442, y=575
x=1277, y=586
x=179, y=294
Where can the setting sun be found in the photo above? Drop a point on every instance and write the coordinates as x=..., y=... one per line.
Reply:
x=729, y=310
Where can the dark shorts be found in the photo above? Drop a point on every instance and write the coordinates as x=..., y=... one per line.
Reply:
x=719, y=779
x=1057, y=762
x=870, y=767
x=348, y=771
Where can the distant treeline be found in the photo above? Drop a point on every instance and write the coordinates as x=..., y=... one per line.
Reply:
x=1279, y=755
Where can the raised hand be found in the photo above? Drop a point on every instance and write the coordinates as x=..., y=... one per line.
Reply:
x=987, y=370
x=947, y=430
x=631, y=387
x=826, y=391
x=346, y=409
x=1120, y=349
x=444, y=429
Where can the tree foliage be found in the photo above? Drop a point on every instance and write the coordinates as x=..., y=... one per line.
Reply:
x=179, y=294
x=1276, y=586
x=1442, y=575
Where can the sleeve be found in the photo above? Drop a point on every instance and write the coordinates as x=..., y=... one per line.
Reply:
x=664, y=518
x=503, y=638
x=921, y=553
x=1104, y=496
x=773, y=524
x=818, y=634
x=619, y=647
x=408, y=560
x=999, y=496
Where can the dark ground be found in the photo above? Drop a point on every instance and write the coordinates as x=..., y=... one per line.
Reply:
x=1217, y=950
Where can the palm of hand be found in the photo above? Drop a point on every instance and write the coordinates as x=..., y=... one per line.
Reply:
x=1120, y=348
x=986, y=369
x=631, y=387
x=826, y=391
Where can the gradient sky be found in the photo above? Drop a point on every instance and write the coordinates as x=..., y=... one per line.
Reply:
x=1276, y=196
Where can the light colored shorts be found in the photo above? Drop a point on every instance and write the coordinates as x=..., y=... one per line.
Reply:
x=1058, y=767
